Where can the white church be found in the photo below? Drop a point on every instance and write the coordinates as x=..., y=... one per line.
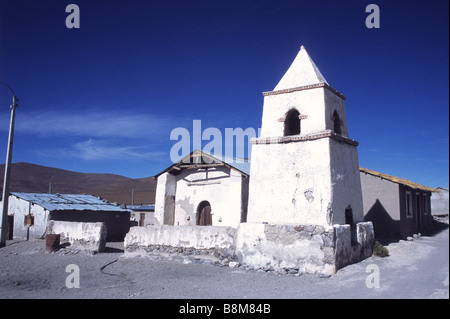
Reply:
x=297, y=206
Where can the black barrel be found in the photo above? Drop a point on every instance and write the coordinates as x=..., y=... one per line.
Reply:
x=52, y=242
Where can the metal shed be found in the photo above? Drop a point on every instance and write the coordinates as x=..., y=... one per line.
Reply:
x=29, y=213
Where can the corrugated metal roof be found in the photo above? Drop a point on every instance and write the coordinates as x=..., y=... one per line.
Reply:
x=141, y=207
x=54, y=202
x=398, y=180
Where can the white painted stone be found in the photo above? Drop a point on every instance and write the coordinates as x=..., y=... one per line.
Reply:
x=165, y=199
x=198, y=237
x=256, y=249
x=85, y=236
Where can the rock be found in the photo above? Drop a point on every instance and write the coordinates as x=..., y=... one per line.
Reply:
x=207, y=261
x=233, y=264
x=187, y=261
x=224, y=262
x=409, y=238
x=318, y=239
x=292, y=271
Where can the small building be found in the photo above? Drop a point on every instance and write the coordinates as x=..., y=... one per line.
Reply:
x=397, y=207
x=142, y=215
x=203, y=189
x=439, y=202
x=29, y=214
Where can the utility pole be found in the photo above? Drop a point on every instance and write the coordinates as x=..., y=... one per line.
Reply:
x=4, y=219
x=50, y=185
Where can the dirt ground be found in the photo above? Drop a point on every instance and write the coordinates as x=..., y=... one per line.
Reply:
x=414, y=269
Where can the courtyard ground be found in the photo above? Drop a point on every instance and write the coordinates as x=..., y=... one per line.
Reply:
x=414, y=269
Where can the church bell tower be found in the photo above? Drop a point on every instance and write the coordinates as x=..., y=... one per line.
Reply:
x=304, y=166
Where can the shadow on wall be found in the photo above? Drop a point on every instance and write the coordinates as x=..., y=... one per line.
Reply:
x=387, y=230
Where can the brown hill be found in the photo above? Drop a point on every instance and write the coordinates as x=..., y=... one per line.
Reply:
x=27, y=177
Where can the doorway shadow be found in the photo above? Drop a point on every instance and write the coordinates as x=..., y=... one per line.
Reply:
x=114, y=247
x=387, y=230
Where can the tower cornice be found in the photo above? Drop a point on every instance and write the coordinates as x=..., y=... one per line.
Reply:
x=306, y=87
x=299, y=138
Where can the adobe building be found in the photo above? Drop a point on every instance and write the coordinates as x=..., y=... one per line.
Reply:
x=397, y=207
x=29, y=214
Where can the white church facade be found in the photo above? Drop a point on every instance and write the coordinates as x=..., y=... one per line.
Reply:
x=203, y=190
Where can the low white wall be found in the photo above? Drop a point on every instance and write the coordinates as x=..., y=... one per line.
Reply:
x=305, y=249
x=347, y=252
x=85, y=236
x=198, y=237
x=293, y=248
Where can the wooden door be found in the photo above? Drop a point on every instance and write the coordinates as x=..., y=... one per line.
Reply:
x=205, y=217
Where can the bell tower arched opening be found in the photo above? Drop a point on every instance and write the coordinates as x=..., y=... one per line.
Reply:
x=292, y=123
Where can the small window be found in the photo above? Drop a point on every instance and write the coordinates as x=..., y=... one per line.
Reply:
x=292, y=123
x=28, y=220
x=409, y=205
x=418, y=205
x=425, y=204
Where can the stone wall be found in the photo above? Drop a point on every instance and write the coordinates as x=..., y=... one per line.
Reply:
x=84, y=236
x=289, y=249
x=302, y=248
x=350, y=250
x=197, y=237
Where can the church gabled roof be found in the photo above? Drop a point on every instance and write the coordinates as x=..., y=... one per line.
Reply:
x=203, y=159
x=302, y=72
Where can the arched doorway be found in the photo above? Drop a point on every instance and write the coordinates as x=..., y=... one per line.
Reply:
x=204, y=217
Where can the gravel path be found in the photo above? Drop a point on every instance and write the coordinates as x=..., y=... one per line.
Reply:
x=414, y=269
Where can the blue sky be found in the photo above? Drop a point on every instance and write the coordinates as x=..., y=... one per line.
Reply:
x=104, y=98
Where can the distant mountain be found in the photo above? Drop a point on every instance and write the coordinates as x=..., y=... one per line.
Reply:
x=27, y=177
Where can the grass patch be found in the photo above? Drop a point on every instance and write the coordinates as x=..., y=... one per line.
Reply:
x=379, y=250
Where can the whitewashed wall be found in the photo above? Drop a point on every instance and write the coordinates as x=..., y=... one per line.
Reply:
x=221, y=187
x=290, y=183
x=20, y=208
